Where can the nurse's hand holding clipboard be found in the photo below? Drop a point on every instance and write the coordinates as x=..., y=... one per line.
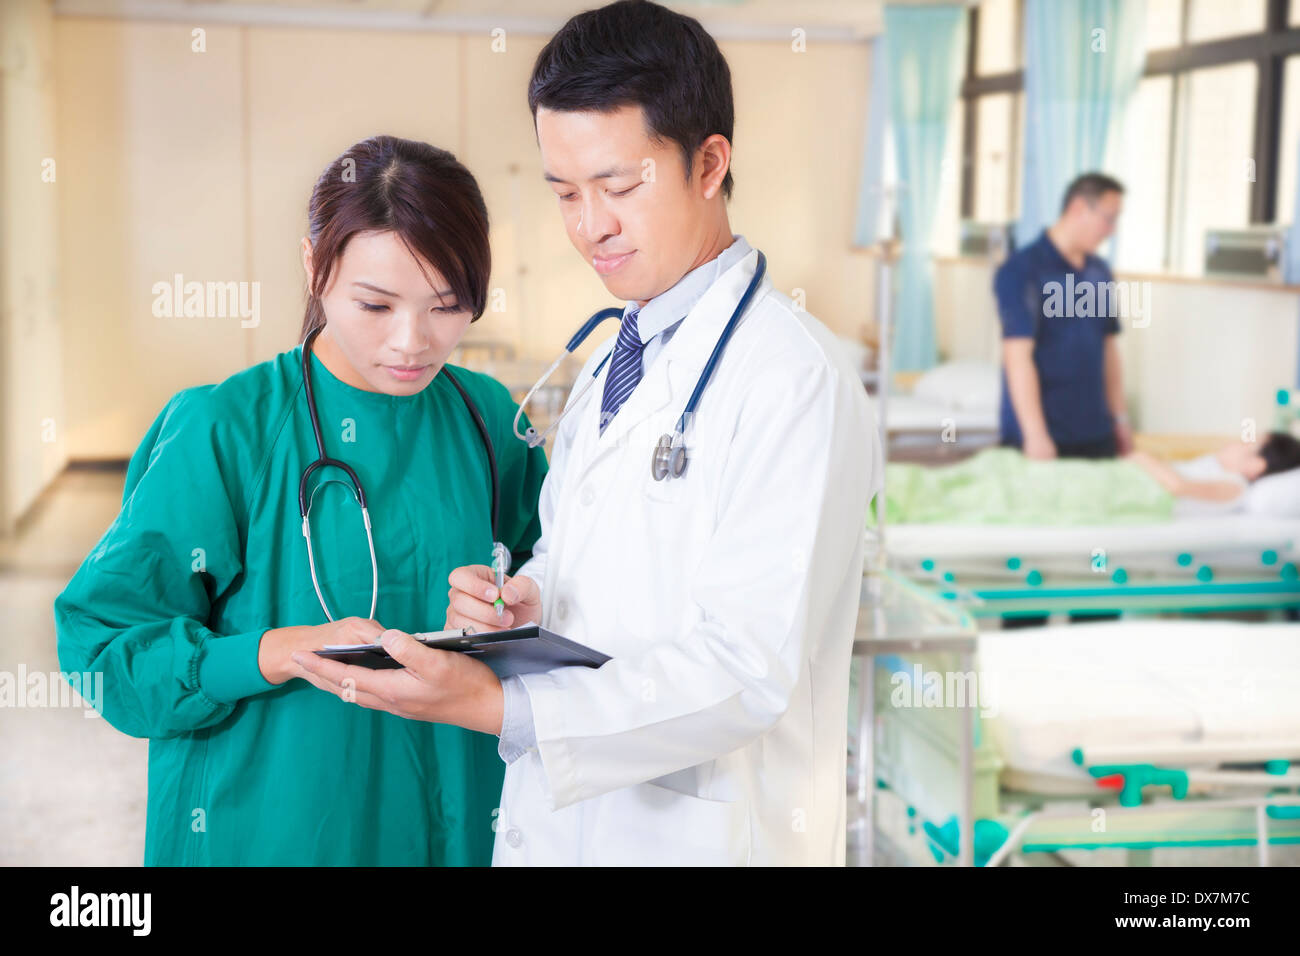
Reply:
x=473, y=591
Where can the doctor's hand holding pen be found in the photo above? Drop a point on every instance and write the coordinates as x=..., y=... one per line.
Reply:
x=275, y=651
x=470, y=600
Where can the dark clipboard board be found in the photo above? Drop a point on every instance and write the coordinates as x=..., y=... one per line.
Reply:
x=519, y=650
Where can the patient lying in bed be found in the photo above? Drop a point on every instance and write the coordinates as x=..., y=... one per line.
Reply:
x=1001, y=486
x=1222, y=478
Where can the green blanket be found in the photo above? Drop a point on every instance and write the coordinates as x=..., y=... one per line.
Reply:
x=1001, y=486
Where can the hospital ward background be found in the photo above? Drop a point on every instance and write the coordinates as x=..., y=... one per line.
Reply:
x=1057, y=238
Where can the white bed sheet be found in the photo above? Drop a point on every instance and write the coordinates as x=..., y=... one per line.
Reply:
x=1150, y=682
x=1249, y=534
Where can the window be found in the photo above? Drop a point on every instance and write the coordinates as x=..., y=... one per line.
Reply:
x=1214, y=165
x=1289, y=153
x=1164, y=28
x=1216, y=19
x=1140, y=157
x=997, y=50
x=995, y=158
x=1210, y=140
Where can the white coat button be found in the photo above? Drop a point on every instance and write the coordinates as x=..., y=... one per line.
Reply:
x=588, y=496
x=514, y=837
x=562, y=609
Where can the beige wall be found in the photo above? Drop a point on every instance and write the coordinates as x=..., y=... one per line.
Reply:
x=202, y=163
x=1212, y=356
x=33, y=427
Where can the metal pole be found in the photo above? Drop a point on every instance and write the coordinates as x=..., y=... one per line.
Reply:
x=966, y=822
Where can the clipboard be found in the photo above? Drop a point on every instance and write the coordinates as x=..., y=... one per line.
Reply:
x=520, y=650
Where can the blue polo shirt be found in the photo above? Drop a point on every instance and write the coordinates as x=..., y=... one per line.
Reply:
x=1042, y=297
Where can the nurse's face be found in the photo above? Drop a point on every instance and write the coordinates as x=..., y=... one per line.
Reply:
x=389, y=325
x=627, y=204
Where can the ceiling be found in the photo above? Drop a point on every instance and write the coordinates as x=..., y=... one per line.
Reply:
x=834, y=19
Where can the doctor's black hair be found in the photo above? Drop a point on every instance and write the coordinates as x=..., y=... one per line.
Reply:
x=421, y=193
x=637, y=53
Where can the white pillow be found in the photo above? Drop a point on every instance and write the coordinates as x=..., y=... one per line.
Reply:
x=1275, y=495
x=964, y=384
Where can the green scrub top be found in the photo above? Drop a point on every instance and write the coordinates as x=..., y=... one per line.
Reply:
x=207, y=554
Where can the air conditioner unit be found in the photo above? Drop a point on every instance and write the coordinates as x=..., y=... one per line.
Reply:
x=992, y=240
x=1254, y=253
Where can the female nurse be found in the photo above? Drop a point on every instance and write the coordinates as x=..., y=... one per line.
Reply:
x=199, y=593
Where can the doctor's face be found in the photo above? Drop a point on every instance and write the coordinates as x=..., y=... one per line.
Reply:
x=391, y=319
x=627, y=205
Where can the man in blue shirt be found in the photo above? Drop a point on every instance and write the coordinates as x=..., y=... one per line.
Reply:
x=1062, y=390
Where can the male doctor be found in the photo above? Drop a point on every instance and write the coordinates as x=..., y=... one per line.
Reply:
x=726, y=597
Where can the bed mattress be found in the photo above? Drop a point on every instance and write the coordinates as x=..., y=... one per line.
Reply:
x=1180, y=685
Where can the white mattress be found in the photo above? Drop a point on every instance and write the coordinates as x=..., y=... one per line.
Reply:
x=1249, y=534
x=907, y=413
x=1154, y=683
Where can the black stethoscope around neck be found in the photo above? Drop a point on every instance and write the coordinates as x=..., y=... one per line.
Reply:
x=324, y=461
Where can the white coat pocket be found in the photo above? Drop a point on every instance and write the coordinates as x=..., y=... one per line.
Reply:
x=649, y=825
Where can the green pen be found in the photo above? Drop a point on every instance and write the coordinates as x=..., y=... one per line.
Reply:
x=500, y=561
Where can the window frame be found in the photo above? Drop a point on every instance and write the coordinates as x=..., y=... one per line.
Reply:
x=1267, y=49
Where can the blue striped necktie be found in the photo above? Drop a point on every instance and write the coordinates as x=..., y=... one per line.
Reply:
x=624, y=369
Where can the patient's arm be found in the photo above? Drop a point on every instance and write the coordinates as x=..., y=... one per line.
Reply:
x=1181, y=487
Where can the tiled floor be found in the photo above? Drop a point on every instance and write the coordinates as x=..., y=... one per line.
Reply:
x=72, y=789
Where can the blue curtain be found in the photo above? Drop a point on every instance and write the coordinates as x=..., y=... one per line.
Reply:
x=926, y=51
x=1083, y=60
x=871, y=185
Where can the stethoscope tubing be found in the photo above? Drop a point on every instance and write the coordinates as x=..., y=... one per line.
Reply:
x=679, y=432
x=324, y=461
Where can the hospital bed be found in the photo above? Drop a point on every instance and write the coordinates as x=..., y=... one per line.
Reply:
x=1191, y=564
x=949, y=411
x=1133, y=736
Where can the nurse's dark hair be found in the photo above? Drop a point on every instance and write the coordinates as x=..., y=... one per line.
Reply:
x=415, y=190
x=637, y=53
x=1280, y=451
x=1091, y=186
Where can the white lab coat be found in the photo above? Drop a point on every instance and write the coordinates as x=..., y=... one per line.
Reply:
x=727, y=599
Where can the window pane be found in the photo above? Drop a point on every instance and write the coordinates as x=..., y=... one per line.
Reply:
x=996, y=50
x=1140, y=157
x=1164, y=24
x=993, y=120
x=1215, y=155
x=1289, y=153
x=1293, y=17
x=1212, y=19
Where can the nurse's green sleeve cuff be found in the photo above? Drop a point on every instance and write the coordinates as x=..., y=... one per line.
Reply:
x=228, y=671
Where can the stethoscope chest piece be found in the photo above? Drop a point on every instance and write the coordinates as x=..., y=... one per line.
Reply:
x=668, y=460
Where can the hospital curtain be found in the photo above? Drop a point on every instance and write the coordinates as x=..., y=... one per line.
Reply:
x=871, y=184
x=925, y=48
x=1083, y=60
